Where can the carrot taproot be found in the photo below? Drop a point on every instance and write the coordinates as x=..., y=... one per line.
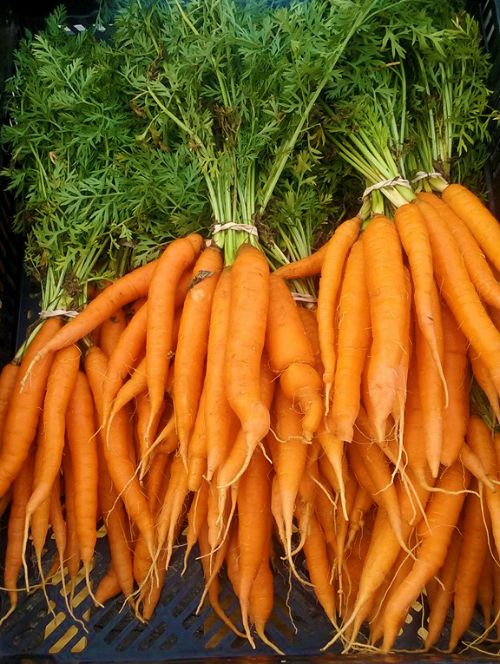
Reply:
x=21, y=491
x=219, y=418
x=291, y=355
x=460, y=294
x=475, y=466
x=486, y=589
x=124, y=357
x=331, y=276
x=354, y=334
x=197, y=448
x=310, y=323
x=477, y=266
x=261, y=601
x=24, y=410
x=60, y=384
x=325, y=510
x=82, y=443
x=456, y=374
x=481, y=223
x=109, y=586
x=308, y=489
x=309, y=266
x=192, y=344
x=353, y=566
x=254, y=519
x=72, y=553
x=333, y=447
x=111, y=330
x=318, y=567
x=58, y=526
x=404, y=365
x=496, y=596
x=416, y=243
x=175, y=259
x=363, y=501
x=124, y=290
x=196, y=517
x=473, y=551
x=245, y=345
x=8, y=380
x=483, y=379
x=387, y=296
x=171, y=509
x=435, y=533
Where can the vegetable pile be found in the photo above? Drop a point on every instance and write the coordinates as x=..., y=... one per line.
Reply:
x=270, y=316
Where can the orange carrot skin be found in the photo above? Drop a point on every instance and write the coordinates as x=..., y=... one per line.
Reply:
x=483, y=378
x=444, y=596
x=21, y=491
x=318, y=566
x=473, y=552
x=197, y=449
x=41, y=516
x=82, y=441
x=192, y=343
x=176, y=258
x=477, y=266
x=354, y=337
x=111, y=331
x=456, y=375
x=478, y=218
x=386, y=292
x=331, y=274
x=126, y=289
x=460, y=293
x=246, y=337
x=309, y=266
x=24, y=411
x=72, y=553
x=8, y=380
x=442, y=514
x=108, y=587
x=60, y=384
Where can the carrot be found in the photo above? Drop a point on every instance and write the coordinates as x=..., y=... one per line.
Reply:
x=142, y=411
x=483, y=379
x=136, y=385
x=325, y=513
x=318, y=567
x=404, y=365
x=171, y=509
x=197, y=450
x=261, y=601
x=82, y=443
x=480, y=440
x=254, y=522
x=353, y=342
x=124, y=357
x=477, y=266
x=442, y=515
x=486, y=589
x=21, y=491
x=245, y=345
x=58, y=525
x=196, y=517
x=8, y=380
x=416, y=243
x=108, y=587
x=362, y=503
x=496, y=588
x=481, y=223
x=61, y=381
x=124, y=290
x=460, y=294
x=24, y=410
x=473, y=551
x=310, y=323
x=309, y=266
x=353, y=567
x=111, y=331
x=331, y=276
x=333, y=448
x=72, y=553
x=475, y=466
x=291, y=355
x=387, y=294
x=444, y=593
x=192, y=344
x=455, y=371
x=176, y=258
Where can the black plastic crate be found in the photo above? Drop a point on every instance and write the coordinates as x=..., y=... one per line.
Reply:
x=175, y=633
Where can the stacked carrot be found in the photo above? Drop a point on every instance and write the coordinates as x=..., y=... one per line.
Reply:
x=192, y=393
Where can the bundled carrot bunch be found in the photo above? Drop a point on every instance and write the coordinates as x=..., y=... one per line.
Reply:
x=221, y=395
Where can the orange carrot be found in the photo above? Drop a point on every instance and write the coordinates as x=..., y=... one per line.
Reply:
x=318, y=567
x=8, y=380
x=460, y=294
x=331, y=275
x=483, y=379
x=197, y=450
x=435, y=533
x=353, y=341
x=108, y=587
x=24, y=411
x=72, y=553
x=387, y=294
x=481, y=223
x=245, y=345
x=261, y=601
x=111, y=330
x=176, y=258
x=309, y=266
x=192, y=343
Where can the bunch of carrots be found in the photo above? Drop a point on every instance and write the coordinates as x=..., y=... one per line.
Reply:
x=192, y=398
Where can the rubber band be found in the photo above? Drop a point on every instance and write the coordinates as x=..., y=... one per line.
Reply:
x=231, y=226
x=58, y=312
x=422, y=175
x=304, y=297
x=386, y=183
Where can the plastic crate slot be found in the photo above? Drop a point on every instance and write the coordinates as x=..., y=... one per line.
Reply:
x=152, y=636
x=117, y=629
x=67, y=637
x=131, y=636
x=169, y=643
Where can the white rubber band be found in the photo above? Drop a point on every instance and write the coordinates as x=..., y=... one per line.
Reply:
x=386, y=183
x=304, y=297
x=422, y=175
x=58, y=312
x=231, y=226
